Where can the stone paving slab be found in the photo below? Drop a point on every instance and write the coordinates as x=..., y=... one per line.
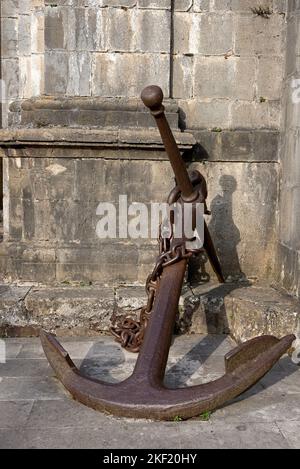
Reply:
x=36, y=411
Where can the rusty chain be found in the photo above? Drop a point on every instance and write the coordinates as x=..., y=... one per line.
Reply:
x=130, y=332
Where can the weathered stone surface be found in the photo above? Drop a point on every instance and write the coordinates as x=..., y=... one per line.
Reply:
x=111, y=137
x=163, y=4
x=71, y=310
x=237, y=207
x=183, y=77
x=54, y=204
x=91, y=113
x=113, y=73
x=287, y=260
x=56, y=72
x=239, y=309
x=266, y=36
x=183, y=5
x=204, y=114
x=221, y=78
x=261, y=115
x=269, y=83
x=90, y=48
x=10, y=32
x=153, y=31
x=258, y=310
x=131, y=299
x=12, y=311
x=206, y=34
x=203, y=309
x=201, y=5
x=10, y=77
x=239, y=146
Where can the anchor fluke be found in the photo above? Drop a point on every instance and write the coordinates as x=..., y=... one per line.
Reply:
x=144, y=399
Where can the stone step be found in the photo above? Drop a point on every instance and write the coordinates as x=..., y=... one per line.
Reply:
x=241, y=310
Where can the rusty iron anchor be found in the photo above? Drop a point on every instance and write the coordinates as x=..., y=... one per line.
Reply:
x=143, y=394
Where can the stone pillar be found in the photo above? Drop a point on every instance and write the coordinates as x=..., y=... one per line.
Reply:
x=289, y=236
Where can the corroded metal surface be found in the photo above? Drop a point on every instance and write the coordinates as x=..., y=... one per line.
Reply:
x=144, y=393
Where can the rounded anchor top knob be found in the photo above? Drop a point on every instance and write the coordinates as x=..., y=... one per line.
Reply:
x=152, y=97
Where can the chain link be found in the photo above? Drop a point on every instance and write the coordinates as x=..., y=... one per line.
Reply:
x=130, y=332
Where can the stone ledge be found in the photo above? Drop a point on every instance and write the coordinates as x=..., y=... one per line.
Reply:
x=95, y=103
x=243, y=311
x=86, y=112
x=113, y=137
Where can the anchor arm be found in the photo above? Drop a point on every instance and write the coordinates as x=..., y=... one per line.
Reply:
x=144, y=395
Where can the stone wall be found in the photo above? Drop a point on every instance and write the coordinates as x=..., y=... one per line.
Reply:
x=22, y=50
x=289, y=235
x=89, y=60
x=223, y=63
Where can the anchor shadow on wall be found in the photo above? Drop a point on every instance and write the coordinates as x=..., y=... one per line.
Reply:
x=205, y=301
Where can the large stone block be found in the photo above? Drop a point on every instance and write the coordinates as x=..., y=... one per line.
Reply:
x=138, y=30
x=121, y=26
x=79, y=78
x=156, y=4
x=54, y=29
x=262, y=311
x=217, y=77
x=24, y=35
x=93, y=112
x=153, y=30
x=183, y=5
x=288, y=268
x=206, y=34
x=38, y=32
x=10, y=77
x=258, y=36
x=67, y=73
x=259, y=115
x=53, y=204
x=293, y=41
x=9, y=38
x=270, y=77
x=183, y=77
x=200, y=6
x=112, y=75
x=204, y=114
x=10, y=8
x=56, y=72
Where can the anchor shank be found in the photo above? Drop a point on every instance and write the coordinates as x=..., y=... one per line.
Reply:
x=152, y=97
x=153, y=356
